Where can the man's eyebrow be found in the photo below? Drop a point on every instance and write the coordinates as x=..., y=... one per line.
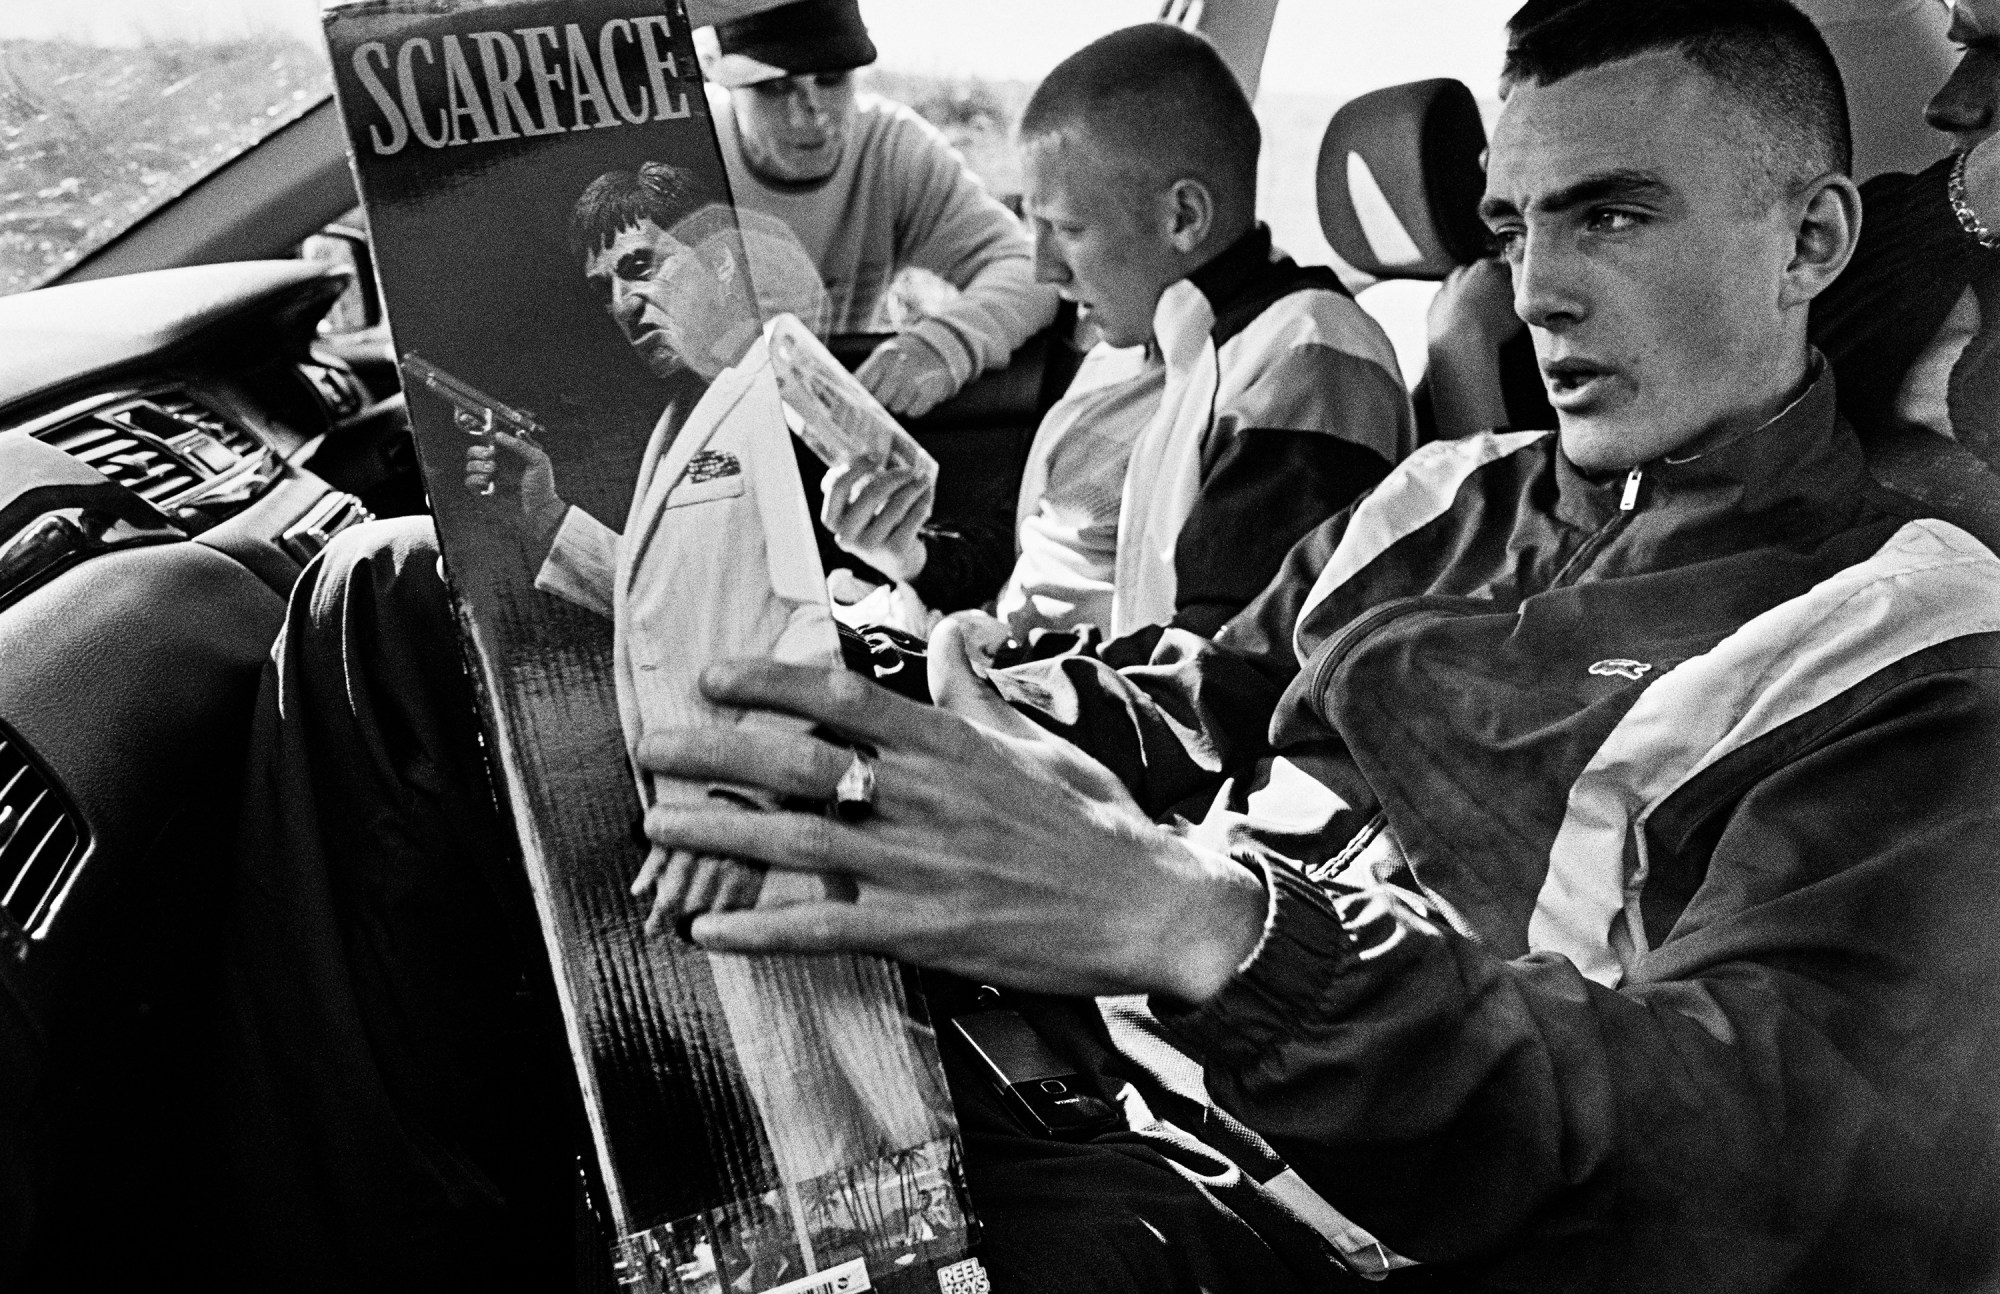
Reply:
x=1606, y=186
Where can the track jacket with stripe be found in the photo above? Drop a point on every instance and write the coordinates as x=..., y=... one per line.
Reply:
x=1266, y=402
x=1633, y=857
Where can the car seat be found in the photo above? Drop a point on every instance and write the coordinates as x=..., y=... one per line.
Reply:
x=1401, y=171
x=130, y=660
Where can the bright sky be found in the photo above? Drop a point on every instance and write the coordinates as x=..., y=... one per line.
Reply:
x=1330, y=50
x=1326, y=50
x=120, y=22
x=1322, y=52
x=1319, y=47
x=1344, y=48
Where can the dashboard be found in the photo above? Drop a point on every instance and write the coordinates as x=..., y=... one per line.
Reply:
x=174, y=447
x=202, y=393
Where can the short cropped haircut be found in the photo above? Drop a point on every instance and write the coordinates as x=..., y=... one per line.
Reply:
x=617, y=200
x=1157, y=94
x=1764, y=52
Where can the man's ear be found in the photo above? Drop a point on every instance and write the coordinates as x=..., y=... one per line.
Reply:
x=1190, y=210
x=1829, y=226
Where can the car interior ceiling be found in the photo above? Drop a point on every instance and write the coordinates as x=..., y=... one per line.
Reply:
x=175, y=446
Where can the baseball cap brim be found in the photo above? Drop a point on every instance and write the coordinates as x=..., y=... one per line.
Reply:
x=802, y=38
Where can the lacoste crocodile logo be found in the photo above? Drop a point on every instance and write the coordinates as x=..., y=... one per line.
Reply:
x=1632, y=669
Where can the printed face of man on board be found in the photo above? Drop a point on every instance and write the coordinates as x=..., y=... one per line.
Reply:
x=669, y=299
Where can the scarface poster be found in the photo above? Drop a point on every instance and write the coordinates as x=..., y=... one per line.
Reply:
x=617, y=503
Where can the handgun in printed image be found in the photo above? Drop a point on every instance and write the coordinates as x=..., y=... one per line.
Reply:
x=477, y=413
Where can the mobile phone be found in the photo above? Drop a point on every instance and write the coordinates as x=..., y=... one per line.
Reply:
x=1044, y=1091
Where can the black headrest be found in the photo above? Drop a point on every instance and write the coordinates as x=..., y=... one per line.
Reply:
x=1400, y=179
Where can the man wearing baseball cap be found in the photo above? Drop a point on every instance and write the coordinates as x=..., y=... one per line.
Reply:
x=869, y=188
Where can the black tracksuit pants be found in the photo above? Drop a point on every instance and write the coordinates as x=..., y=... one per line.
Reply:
x=395, y=1099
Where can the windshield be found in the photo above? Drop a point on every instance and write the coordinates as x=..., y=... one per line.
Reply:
x=109, y=108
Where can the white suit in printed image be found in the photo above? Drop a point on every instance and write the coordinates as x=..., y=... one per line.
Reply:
x=717, y=559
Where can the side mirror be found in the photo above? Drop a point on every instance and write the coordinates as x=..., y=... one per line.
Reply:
x=359, y=308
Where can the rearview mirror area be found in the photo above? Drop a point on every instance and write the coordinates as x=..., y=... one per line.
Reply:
x=345, y=244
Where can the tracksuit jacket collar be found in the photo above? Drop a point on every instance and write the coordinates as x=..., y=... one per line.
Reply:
x=1232, y=268
x=1248, y=275
x=1710, y=541
x=1798, y=475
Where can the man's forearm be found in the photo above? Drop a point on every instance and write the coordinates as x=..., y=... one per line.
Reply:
x=581, y=558
x=1516, y=1117
x=1211, y=916
x=960, y=233
x=992, y=850
x=1792, y=1059
x=544, y=522
x=997, y=309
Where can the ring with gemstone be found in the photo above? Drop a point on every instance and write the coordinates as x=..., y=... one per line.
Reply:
x=854, y=795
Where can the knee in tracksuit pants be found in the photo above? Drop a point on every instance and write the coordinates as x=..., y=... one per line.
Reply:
x=395, y=1102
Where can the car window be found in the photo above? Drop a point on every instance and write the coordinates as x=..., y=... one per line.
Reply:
x=109, y=108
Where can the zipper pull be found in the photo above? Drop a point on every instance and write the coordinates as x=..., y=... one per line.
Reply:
x=1630, y=499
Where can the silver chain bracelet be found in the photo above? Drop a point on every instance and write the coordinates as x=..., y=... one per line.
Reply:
x=1968, y=219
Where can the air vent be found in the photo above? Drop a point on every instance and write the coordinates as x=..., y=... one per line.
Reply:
x=239, y=441
x=41, y=838
x=195, y=441
x=160, y=448
x=138, y=461
x=338, y=389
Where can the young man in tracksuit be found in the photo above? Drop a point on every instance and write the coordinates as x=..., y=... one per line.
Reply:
x=865, y=188
x=1236, y=400
x=1596, y=883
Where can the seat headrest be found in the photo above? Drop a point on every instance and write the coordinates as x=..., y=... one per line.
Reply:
x=1400, y=179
